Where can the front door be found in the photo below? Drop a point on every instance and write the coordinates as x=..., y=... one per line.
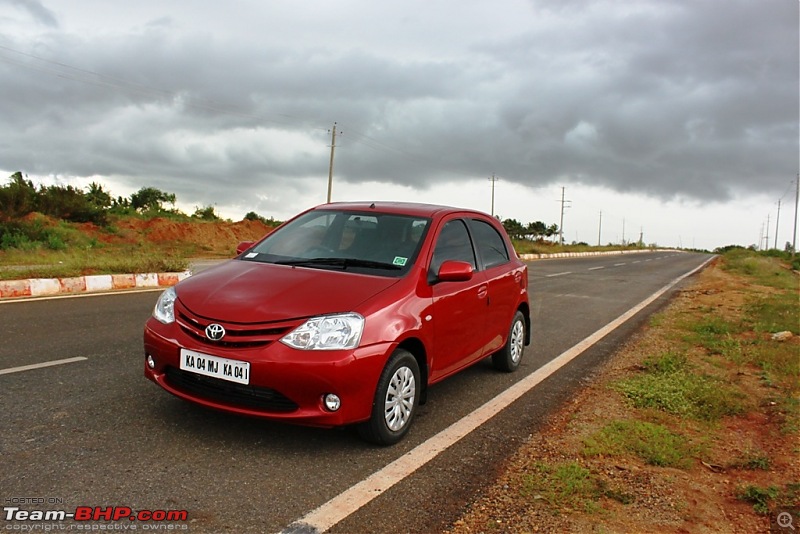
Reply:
x=459, y=308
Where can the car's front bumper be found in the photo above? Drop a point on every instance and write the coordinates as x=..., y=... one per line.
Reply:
x=285, y=384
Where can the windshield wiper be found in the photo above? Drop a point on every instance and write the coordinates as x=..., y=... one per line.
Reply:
x=344, y=263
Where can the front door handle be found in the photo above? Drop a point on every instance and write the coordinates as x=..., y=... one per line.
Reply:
x=483, y=291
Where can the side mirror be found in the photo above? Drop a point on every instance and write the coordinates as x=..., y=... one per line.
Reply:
x=454, y=271
x=244, y=245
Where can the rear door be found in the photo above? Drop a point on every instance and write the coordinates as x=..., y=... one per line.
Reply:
x=504, y=283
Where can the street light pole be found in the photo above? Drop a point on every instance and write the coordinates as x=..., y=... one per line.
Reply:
x=599, y=228
x=796, y=202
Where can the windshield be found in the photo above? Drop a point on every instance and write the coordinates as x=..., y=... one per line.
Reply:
x=378, y=243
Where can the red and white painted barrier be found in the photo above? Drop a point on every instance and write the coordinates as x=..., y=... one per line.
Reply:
x=40, y=287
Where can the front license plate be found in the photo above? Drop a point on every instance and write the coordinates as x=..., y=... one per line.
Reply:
x=223, y=368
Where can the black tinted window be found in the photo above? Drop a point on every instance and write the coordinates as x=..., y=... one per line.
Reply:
x=490, y=244
x=453, y=243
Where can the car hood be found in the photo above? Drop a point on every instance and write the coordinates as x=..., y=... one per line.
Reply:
x=252, y=292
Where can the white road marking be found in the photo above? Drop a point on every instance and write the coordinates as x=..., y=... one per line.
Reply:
x=41, y=365
x=557, y=274
x=595, y=268
x=619, y=264
x=359, y=495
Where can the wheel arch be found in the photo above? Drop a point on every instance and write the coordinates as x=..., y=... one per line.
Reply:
x=417, y=349
x=524, y=307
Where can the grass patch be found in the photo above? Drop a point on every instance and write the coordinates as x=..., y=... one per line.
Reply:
x=785, y=409
x=777, y=360
x=655, y=444
x=72, y=263
x=713, y=333
x=569, y=485
x=37, y=233
x=669, y=384
x=763, y=269
x=759, y=497
x=669, y=362
x=753, y=461
x=776, y=313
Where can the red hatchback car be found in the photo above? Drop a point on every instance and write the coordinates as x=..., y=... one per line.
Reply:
x=344, y=315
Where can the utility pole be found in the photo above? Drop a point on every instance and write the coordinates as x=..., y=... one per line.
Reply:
x=796, y=201
x=777, y=220
x=330, y=167
x=766, y=237
x=493, y=179
x=599, y=227
x=623, y=231
x=561, y=225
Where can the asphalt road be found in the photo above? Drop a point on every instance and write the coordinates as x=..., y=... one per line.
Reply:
x=96, y=433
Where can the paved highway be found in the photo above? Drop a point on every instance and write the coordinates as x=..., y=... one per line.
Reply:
x=93, y=432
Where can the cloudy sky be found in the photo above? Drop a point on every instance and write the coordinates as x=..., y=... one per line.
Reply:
x=676, y=120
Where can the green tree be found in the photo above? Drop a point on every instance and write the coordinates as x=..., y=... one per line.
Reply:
x=206, y=213
x=18, y=198
x=150, y=199
x=514, y=228
x=98, y=196
x=69, y=204
x=536, y=229
x=253, y=216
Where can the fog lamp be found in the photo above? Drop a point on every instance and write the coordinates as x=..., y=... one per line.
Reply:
x=332, y=402
x=151, y=363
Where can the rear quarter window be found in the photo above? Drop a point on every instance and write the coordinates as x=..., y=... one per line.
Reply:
x=491, y=245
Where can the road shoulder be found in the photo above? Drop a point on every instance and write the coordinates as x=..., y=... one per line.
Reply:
x=623, y=493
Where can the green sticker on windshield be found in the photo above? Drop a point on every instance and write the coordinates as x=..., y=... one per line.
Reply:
x=399, y=260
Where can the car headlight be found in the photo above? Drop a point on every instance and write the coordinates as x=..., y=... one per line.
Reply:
x=328, y=332
x=165, y=307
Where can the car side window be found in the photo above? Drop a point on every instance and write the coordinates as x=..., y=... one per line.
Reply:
x=490, y=244
x=453, y=243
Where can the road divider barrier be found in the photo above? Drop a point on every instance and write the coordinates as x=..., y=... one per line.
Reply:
x=42, y=287
x=590, y=253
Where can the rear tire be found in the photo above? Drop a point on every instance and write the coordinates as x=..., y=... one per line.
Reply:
x=508, y=358
x=396, y=400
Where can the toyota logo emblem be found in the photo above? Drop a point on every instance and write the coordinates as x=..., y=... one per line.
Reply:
x=215, y=332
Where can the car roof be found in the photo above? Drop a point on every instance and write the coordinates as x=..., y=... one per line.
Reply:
x=415, y=209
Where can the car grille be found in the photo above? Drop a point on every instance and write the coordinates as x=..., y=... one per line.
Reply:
x=229, y=392
x=237, y=335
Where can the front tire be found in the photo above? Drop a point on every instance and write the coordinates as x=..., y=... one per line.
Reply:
x=508, y=358
x=396, y=400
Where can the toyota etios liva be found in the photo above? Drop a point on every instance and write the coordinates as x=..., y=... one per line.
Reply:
x=344, y=315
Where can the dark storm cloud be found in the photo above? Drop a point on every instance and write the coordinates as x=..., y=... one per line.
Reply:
x=697, y=99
